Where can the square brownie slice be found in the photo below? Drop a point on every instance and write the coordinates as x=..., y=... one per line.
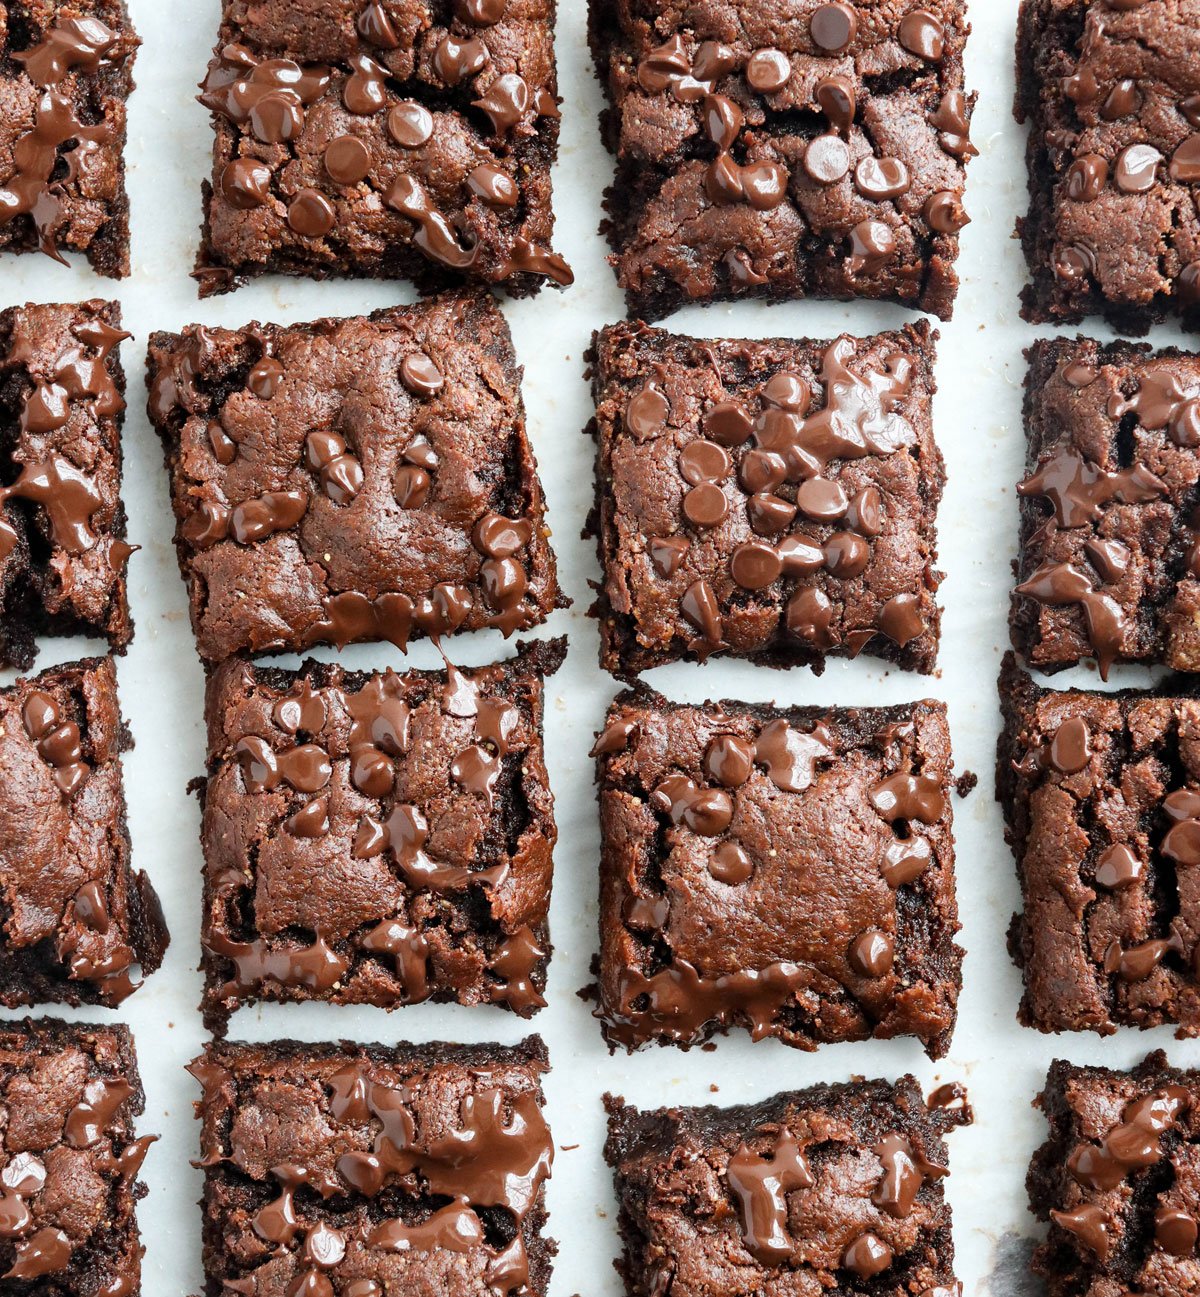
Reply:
x=365, y=1169
x=774, y=500
x=365, y=478
x=1109, y=562
x=786, y=871
x=1118, y=1180
x=69, y=1093
x=806, y=150
x=1111, y=91
x=1101, y=794
x=67, y=70
x=77, y=920
x=835, y=1189
x=63, y=551
x=377, y=839
x=383, y=138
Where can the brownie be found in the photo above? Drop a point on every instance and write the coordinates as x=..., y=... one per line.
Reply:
x=1101, y=795
x=784, y=150
x=65, y=73
x=63, y=552
x=377, y=839
x=76, y=919
x=835, y=1189
x=786, y=871
x=364, y=1169
x=1111, y=90
x=775, y=500
x=1109, y=563
x=69, y=1093
x=1118, y=1181
x=365, y=478
x=383, y=138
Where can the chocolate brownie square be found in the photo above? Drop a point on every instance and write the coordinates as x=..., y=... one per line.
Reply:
x=1101, y=794
x=383, y=138
x=835, y=1189
x=1118, y=1180
x=365, y=478
x=774, y=500
x=1109, y=561
x=377, y=839
x=787, y=871
x=69, y=1093
x=76, y=918
x=1111, y=90
x=365, y=1169
x=63, y=552
x=65, y=74
x=784, y=151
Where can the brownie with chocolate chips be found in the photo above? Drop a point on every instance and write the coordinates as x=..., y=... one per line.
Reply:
x=1111, y=91
x=1101, y=795
x=784, y=150
x=357, y=479
x=835, y=1189
x=77, y=920
x=1109, y=564
x=364, y=1169
x=775, y=500
x=1117, y=1181
x=786, y=871
x=69, y=1159
x=383, y=138
x=66, y=73
x=63, y=552
x=377, y=839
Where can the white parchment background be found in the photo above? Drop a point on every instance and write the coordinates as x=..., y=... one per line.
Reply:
x=977, y=422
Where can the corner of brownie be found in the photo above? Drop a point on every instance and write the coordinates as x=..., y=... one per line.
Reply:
x=1118, y=1180
x=772, y=499
x=78, y=921
x=63, y=547
x=834, y=1189
x=377, y=839
x=69, y=1093
x=787, y=871
x=787, y=155
x=1101, y=797
x=395, y=140
x=67, y=72
x=400, y=1168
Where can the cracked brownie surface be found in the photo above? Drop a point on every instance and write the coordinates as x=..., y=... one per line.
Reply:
x=66, y=74
x=833, y=1190
x=78, y=921
x=383, y=138
x=377, y=839
x=1112, y=94
x=784, y=149
x=1101, y=794
x=786, y=871
x=69, y=1159
x=63, y=547
x=364, y=1169
x=772, y=499
x=363, y=478
x=1109, y=562
x=1118, y=1181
